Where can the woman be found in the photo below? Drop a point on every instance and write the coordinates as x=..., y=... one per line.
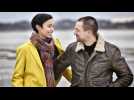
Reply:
x=35, y=59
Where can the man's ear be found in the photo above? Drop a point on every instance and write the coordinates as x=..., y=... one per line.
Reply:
x=89, y=31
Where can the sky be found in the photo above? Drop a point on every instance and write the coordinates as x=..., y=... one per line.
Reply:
x=113, y=16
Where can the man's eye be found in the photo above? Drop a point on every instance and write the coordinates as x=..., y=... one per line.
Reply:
x=77, y=30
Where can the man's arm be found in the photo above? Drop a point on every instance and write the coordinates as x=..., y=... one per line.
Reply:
x=122, y=70
x=62, y=65
x=68, y=72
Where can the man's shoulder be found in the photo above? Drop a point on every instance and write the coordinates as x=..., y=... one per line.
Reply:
x=111, y=48
x=111, y=45
x=72, y=46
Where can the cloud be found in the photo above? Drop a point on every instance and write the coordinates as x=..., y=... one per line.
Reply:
x=123, y=19
x=17, y=16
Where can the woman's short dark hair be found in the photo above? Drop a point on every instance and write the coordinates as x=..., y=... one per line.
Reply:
x=89, y=23
x=39, y=19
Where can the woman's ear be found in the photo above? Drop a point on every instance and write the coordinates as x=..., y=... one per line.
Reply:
x=38, y=27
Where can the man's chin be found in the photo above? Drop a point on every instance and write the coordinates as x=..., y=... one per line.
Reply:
x=77, y=39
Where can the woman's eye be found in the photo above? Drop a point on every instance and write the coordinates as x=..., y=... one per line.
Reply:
x=50, y=26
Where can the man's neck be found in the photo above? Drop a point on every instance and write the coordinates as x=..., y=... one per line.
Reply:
x=90, y=42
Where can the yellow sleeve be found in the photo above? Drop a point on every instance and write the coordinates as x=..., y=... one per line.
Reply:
x=68, y=74
x=18, y=74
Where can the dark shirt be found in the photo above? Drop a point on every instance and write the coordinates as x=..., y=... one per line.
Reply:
x=90, y=49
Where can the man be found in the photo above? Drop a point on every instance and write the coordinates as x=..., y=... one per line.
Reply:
x=93, y=60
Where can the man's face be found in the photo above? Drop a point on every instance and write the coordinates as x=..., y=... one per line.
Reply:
x=80, y=33
x=47, y=28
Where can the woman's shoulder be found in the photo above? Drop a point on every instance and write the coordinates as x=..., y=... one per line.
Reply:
x=25, y=46
x=56, y=39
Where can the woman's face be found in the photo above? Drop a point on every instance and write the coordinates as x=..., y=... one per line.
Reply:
x=47, y=28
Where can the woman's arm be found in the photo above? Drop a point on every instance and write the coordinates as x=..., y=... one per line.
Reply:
x=18, y=74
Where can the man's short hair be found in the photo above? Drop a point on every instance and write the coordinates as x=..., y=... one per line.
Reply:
x=89, y=23
x=39, y=19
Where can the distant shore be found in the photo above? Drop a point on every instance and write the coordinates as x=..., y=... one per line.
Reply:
x=65, y=24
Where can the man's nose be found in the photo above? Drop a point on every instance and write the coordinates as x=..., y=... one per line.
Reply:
x=74, y=32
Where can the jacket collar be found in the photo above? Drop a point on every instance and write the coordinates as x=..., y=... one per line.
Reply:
x=100, y=45
x=35, y=54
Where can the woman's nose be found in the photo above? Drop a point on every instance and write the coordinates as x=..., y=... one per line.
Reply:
x=52, y=30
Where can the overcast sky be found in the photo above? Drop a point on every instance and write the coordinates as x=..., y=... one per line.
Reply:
x=114, y=16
